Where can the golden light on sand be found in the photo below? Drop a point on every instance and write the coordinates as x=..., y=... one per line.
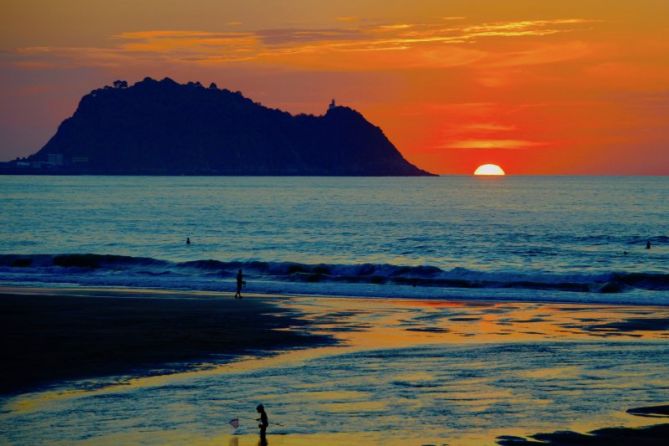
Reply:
x=489, y=169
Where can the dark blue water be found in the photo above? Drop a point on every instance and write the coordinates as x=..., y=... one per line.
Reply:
x=567, y=238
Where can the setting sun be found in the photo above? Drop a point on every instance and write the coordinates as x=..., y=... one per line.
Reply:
x=489, y=169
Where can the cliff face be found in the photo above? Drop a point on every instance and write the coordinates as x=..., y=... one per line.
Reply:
x=162, y=127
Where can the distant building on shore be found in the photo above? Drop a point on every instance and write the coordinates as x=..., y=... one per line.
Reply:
x=55, y=159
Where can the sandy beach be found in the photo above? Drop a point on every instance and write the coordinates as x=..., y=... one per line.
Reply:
x=330, y=370
x=51, y=335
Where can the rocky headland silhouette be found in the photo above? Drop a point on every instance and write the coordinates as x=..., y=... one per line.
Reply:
x=166, y=128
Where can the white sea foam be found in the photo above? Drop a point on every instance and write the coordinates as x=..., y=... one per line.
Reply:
x=350, y=280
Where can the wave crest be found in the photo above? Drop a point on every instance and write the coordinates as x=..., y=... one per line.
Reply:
x=105, y=269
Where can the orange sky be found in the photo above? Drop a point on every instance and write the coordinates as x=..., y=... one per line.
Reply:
x=538, y=87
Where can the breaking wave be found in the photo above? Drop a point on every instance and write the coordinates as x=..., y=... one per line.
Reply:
x=379, y=280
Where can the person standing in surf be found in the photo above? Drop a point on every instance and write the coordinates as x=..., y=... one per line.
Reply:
x=264, y=422
x=240, y=282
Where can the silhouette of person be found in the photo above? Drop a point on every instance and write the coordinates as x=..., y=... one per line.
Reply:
x=188, y=240
x=240, y=282
x=648, y=244
x=264, y=422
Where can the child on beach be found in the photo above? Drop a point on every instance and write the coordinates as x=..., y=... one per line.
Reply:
x=264, y=422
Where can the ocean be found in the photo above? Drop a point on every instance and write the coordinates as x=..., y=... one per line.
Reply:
x=572, y=239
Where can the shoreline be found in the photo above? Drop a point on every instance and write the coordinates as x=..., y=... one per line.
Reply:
x=634, y=286
x=260, y=324
x=403, y=292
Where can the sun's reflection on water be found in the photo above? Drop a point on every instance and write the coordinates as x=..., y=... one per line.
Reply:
x=404, y=371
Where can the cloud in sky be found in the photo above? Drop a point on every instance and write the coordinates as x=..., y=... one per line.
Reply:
x=432, y=45
x=505, y=144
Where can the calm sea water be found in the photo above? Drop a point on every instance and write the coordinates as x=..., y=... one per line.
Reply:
x=568, y=238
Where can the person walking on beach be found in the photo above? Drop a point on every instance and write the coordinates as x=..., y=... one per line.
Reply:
x=264, y=422
x=240, y=283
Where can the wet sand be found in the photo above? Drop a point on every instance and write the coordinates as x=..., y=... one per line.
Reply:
x=653, y=435
x=651, y=412
x=656, y=435
x=54, y=335
x=401, y=372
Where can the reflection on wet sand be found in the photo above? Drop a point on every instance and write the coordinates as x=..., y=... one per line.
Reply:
x=404, y=372
x=414, y=322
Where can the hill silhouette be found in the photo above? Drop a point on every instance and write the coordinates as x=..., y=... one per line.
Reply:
x=166, y=128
